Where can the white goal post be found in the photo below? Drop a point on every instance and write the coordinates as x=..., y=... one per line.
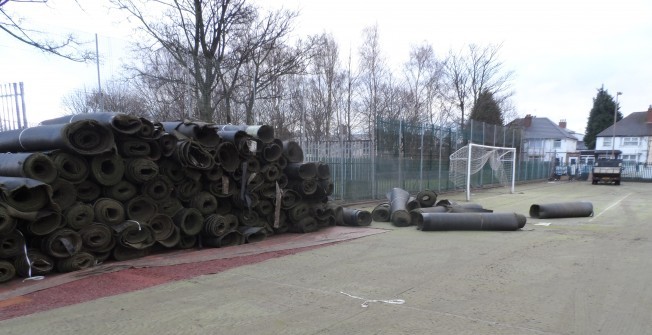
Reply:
x=471, y=159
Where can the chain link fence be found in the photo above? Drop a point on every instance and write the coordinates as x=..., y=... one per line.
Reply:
x=414, y=157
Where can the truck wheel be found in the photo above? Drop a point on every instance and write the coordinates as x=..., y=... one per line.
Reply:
x=617, y=182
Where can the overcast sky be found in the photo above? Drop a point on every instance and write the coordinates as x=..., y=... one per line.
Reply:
x=561, y=52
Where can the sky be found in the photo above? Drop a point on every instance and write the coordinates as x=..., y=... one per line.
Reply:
x=560, y=51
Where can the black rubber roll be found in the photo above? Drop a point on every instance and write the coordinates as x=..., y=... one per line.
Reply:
x=223, y=207
x=415, y=215
x=381, y=213
x=172, y=170
x=141, y=208
x=305, y=187
x=170, y=206
x=118, y=122
x=62, y=243
x=134, y=235
x=467, y=208
x=79, y=261
x=271, y=151
x=216, y=225
x=7, y=221
x=471, y=221
x=64, y=193
x=97, y=237
x=427, y=198
x=39, y=264
x=412, y=203
x=201, y=132
x=561, y=210
x=162, y=226
x=11, y=244
x=355, y=217
x=29, y=165
x=44, y=222
x=173, y=239
x=292, y=151
x=304, y=170
x=192, y=154
x=155, y=151
x=226, y=155
x=25, y=194
x=109, y=211
x=122, y=191
x=265, y=207
x=231, y=238
x=130, y=147
x=88, y=191
x=70, y=167
x=7, y=271
x=398, y=199
x=187, y=241
x=150, y=130
x=189, y=220
x=252, y=234
x=86, y=137
x=323, y=171
x=205, y=202
x=158, y=188
x=107, y=169
x=140, y=170
x=307, y=224
x=122, y=253
x=215, y=173
x=187, y=189
x=338, y=212
x=78, y=215
x=298, y=212
x=167, y=143
x=249, y=218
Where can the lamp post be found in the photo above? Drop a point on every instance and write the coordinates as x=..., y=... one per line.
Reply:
x=613, y=138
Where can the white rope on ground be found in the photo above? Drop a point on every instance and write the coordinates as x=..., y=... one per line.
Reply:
x=366, y=302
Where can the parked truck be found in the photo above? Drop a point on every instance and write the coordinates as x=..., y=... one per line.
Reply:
x=607, y=171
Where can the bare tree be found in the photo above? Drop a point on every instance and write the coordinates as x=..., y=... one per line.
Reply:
x=69, y=47
x=117, y=98
x=372, y=74
x=423, y=74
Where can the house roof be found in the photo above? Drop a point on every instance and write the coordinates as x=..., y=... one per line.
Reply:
x=633, y=124
x=542, y=127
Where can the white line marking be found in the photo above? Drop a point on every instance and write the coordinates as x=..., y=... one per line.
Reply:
x=608, y=208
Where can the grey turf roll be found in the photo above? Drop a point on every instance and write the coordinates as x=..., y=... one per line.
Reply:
x=141, y=208
x=118, y=122
x=192, y=154
x=107, y=169
x=64, y=193
x=561, y=210
x=88, y=191
x=39, y=264
x=140, y=170
x=381, y=213
x=158, y=188
x=471, y=221
x=62, y=243
x=71, y=167
x=7, y=271
x=79, y=261
x=398, y=199
x=97, y=237
x=43, y=222
x=109, y=211
x=130, y=147
x=78, y=215
x=170, y=206
x=29, y=165
x=25, y=194
x=162, y=226
x=87, y=137
x=189, y=220
x=134, y=235
x=304, y=170
x=426, y=198
x=11, y=244
x=172, y=240
x=167, y=142
x=205, y=202
x=122, y=191
x=172, y=170
x=216, y=225
x=355, y=217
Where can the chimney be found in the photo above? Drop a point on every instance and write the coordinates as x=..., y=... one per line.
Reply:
x=527, y=121
x=649, y=114
x=562, y=124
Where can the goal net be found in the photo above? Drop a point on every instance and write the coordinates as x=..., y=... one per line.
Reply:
x=468, y=163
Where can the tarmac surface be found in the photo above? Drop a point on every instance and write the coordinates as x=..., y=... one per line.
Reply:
x=587, y=275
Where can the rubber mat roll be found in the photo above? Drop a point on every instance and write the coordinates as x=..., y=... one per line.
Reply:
x=11, y=244
x=122, y=191
x=338, y=212
x=304, y=225
x=7, y=271
x=230, y=238
x=189, y=220
x=167, y=143
x=70, y=167
x=39, y=264
x=62, y=243
x=29, y=165
x=426, y=198
x=101, y=257
x=298, y=212
x=43, y=222
x=155, y=152
x=192, y=154
x=323, y=171
x=205, y=202
x=162, y=226
x=471, y=221
x=107, y=169
x=87, y=191
x=223, y=207
x=170, y=206
x=270, y=172
x=216, y=225
x=226, y=154
x=398, y=199
x=134, y=235
x=122, y=253
x=268, y=190
x=86, y=137
x=249, y=218
x=79, y=261
x=141, y=208
x=412, y=203
x=355, y=217
x=305, y=187
x=561, y=210
x=215, y=173
x=78, y=215
x=172, y=170
x=187, y=189
x=381, y=213
x=131, y=147
x=271, y=151
x=140, y=170
x=118, y=122
x=305, y=170
x=292, y=151
x=252, y=234
x=7, y=222
x=97, y=237
x=172, y=240
x=187, y=241
x=24, y=194
x=64, y=193
x=150, y=130
x=240, y=139
x=109, y=211
x=158, y=188
x=202, y=132
x=265, y=207
x=417, y=218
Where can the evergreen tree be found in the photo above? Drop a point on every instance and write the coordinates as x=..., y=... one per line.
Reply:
x=601, y=117
x=486, y=109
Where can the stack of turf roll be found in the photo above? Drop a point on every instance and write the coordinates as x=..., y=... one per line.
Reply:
x=80, y=190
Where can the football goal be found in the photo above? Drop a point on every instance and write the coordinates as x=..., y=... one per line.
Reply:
x=470, y=161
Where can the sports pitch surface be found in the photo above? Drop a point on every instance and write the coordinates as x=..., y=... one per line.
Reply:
x=584, y=275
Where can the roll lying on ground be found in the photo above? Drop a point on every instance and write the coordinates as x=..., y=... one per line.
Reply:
x=561, y=210
x=471, y=221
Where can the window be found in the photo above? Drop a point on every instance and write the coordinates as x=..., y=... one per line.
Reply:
x=630, y=141
x=557, y=144
x=629, y=158
x=606, y=141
